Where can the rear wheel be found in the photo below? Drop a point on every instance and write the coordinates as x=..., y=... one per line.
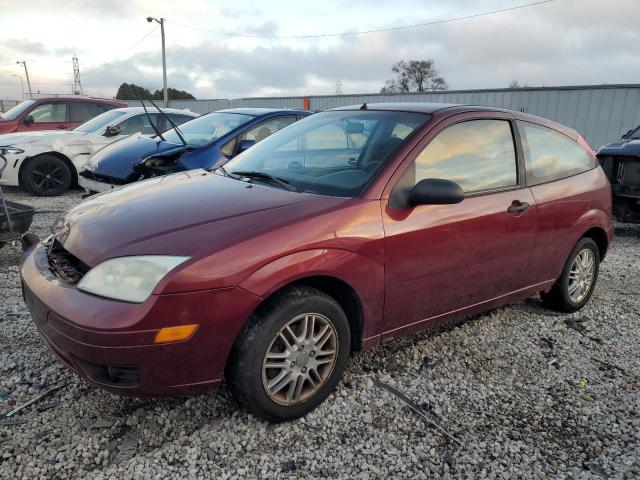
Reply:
x=575, y=286
x=291, y=355
x=47, y=176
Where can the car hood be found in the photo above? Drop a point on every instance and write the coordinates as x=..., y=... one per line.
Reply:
x=190, y=213
x=18, y=138
x=625, y=147
x=117, y=159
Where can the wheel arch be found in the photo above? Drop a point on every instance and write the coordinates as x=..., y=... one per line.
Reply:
x=339, y=290
x=64, y=158
x=598, y=235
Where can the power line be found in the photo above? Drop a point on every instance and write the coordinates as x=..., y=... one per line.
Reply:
x=124, y=52
x=364, y=32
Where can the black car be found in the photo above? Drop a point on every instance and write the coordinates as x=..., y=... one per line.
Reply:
x=621, y=163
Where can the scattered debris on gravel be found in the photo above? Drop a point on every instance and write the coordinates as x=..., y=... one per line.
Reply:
x=519, y=392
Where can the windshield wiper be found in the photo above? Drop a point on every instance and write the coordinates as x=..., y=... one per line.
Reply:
x=224, y=172
x=155, y=129
x=265, y=176
x=175, y=127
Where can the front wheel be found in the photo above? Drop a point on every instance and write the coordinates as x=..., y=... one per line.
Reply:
x=47, y=176
x=575, y=286
x=291, y=355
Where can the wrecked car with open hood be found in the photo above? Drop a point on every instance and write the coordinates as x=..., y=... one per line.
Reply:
x=621, y=163
x=201, y=143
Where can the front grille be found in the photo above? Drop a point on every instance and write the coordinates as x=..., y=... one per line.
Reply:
x=63, y=264
x=103, y=178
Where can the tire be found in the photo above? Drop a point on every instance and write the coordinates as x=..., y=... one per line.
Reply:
x=47, y=176
x=296, y=307
x=560, y=297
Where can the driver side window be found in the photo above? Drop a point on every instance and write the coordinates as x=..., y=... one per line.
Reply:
x=477, y=154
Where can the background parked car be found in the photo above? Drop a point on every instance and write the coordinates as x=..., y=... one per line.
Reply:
x=52, y=113
x=208, y=140
x=51, y=159
x=621, y=163
x=312, y=244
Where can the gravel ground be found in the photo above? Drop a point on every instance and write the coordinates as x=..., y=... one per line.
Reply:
x=521, y=392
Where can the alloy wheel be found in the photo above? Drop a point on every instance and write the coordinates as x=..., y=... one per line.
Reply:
x=300, y=359
x=581, y=275
x=48, y=176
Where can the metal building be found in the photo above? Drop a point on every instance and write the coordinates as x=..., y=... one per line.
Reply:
x=601, y=113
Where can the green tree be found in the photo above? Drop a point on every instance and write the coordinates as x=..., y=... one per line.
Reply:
x=173, y=94
x=131, y=91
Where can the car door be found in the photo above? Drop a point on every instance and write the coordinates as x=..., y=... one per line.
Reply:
x=45, y=116
x=440, y=259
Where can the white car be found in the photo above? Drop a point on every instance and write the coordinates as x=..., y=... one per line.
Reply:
x=47, y=162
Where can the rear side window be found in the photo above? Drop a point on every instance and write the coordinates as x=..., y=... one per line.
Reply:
x=478, y=155
x=139, y=123
x=82, y=111
x=549, y=155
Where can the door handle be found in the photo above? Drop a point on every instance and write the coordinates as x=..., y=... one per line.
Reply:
x=518, y=207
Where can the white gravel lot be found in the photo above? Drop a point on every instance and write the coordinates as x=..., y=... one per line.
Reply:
x=526, y=392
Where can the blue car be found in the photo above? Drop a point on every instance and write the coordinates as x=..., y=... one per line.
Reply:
x=204, y=142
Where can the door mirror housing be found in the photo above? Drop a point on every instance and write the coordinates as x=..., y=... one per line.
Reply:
x=27, y=120
x=112, y=131
x=435, y=191
x=245, y=145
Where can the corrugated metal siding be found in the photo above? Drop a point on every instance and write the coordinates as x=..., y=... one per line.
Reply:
x=197, y=106
x=601, y=113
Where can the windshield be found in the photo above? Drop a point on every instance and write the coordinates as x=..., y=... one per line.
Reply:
x=336, y=153
x=16, y=111
x=204, y=130
x=635, y=134
x=99, y=123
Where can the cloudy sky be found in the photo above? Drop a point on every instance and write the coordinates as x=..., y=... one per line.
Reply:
x=563, y=42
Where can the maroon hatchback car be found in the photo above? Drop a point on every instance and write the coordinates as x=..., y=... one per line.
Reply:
x=343, y=230
x=54, y=113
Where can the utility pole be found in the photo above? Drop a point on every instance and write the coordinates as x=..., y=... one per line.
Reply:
x=164, y=58
x=26, y=72
x=77, y=86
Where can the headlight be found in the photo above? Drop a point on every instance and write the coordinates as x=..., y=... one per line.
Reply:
x=130, y=279
x=14, y=150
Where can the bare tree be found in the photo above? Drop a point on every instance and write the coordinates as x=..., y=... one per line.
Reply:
x=414, y=75
x=516, y=84
x=439, y=83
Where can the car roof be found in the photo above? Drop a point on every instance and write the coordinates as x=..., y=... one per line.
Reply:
x=256, y=112
x=153, y=110
x=76, y=98
x=418, y=107
x=453, y=108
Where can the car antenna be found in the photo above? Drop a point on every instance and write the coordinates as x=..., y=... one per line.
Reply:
x=155, y=129
x=364, y=106
x=175, y=127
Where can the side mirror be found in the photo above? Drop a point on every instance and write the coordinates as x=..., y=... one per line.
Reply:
x=112, y=131
x=27, y=120
x=245, y=145
x=435, y=191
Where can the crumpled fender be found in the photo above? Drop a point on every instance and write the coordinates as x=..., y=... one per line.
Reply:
x=362, y=274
